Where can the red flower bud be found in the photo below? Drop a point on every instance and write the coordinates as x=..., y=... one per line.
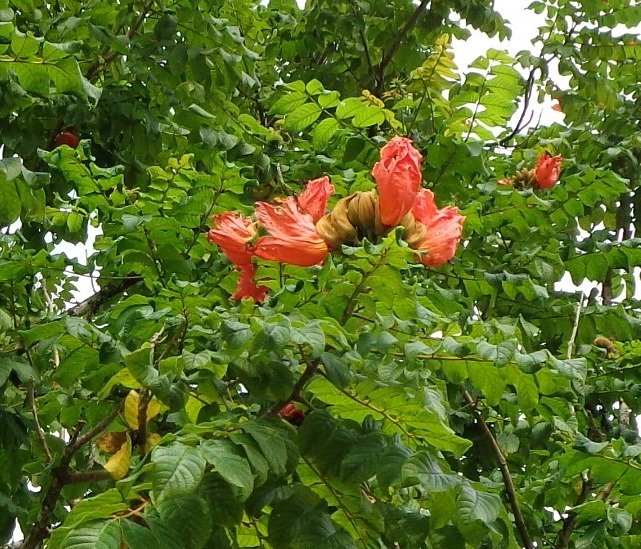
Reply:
x=67, y=138
x=292, y=414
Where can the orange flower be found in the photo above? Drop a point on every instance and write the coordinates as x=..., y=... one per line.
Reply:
x=557, y=107
x=247, y=287
x=232, y=233
x=506, y=181
x=444, y=228
x=292, y=235
x=313, y=200
x=398, y=176
x=546, y=171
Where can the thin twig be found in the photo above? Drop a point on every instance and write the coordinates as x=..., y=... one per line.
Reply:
x=505, y=473
x=575, y=327
x=389, y=56
x=571, y=521
x=40, y=530
x=308, y=374
x=90, y=305
x=34, y=410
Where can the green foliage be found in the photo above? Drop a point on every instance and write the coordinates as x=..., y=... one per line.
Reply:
x=442, y=406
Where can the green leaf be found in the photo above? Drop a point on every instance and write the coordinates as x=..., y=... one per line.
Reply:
x=323, y=133
x=177, y=470
x=302, y=117
x=289, y=103
x=231, y=465
x=368, y=116
x=94, y=535
x=475, y=505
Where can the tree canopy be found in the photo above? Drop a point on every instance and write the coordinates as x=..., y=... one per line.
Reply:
x=268, y=362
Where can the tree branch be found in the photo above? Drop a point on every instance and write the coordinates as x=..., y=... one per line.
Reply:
x=40, y=530
x=389, y=56
x=505, y=473
x=570, y=522
x=90, y=305
x=308, y=374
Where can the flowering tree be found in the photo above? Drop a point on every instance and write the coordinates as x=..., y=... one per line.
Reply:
x=332, y=304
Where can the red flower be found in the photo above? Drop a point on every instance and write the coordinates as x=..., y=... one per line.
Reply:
x=292, y=235
x=546, y=171
x=313, y=200
x=557, y=107
x=398, y=176
x=247, y=287
x=292, y=414
x=444, y=228
x=233, y=233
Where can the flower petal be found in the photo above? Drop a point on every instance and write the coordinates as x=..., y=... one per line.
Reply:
x=247, y=287
x=292, y=235
x=232, y=233
x=313, y=200
x=398, y=176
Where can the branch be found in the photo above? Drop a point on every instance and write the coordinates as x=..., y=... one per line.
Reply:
x=570, y=522
x=389, y=56
x=308, y=374
x=143, y=405
x=40, y=530
x=575, y=327
x=90, y=305
x=526, y=103
x=31, y=395
x=505, y=473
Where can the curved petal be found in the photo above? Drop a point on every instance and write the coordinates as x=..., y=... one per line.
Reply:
x=292, y=235
x=547, y=171
x=313, y=200
x=247, y=287
x=398, y=176
x=443, y=237
x=424, y=209
x=232, y=233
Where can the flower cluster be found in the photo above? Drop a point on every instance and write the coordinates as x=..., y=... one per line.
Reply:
x=298, y=231
x=544, y=175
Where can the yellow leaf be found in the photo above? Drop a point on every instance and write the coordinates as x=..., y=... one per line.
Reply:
x=153, y=408
x=131, y=409
x=132, y=403
x=152, y=440
x=118, y=464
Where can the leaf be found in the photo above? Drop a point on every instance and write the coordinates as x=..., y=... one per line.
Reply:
x=231, y=465
x=187, y=517
x=302, y=117
x=270, y=440
x=118, y=464
x=98, y=507
x=475, y=505
x=289, y=103
x=132, y=403
x=423, y=468
x=368, y=116
x=323, y=133
x=94, y=535
x=178, y=469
